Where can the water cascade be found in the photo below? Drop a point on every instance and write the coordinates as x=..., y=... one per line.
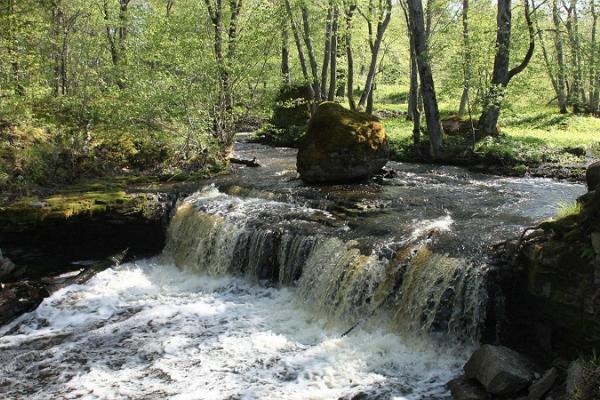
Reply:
x=343, y=279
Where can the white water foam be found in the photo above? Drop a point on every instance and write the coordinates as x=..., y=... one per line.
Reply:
x=147, y=330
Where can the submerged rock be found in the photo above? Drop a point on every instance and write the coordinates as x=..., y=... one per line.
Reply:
x=342, y=145
x=499, y=369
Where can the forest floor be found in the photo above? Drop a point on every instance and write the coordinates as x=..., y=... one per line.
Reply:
x=536, y=142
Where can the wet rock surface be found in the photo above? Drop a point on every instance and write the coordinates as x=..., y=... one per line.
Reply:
x=49, y=235
x=553, y=289
x=342, y=145
x=592, y=176
x=499, y=369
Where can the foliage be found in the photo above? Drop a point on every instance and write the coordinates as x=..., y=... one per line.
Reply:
x=566, y=209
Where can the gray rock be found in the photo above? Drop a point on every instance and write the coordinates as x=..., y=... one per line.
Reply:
x=463, y=388
x=499, y=369
x=540, y=387
x=7, y=267
x=592, y=176
x=575, y=376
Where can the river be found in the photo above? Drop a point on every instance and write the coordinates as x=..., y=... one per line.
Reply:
x=271, y=289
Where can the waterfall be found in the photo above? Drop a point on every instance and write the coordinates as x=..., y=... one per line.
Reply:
x=415, y=291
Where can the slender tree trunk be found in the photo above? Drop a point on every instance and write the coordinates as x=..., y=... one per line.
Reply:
x=327, y=51
x=468, y=63
x=13, y=51
x=560, y=60
x=576, y=98
x=285, y=57
x=334, y=53
x=224, y=117
x=351, y=8
x=432, y=115
x=489, y=119
x=502, y=75
x=300, y=48
x=593, y=69
x=381, y=28
x=548, y=62
x=56, y=24
x=413, y=109
x=311, y=52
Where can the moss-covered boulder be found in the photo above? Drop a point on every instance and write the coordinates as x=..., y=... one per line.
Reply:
x=342, y=145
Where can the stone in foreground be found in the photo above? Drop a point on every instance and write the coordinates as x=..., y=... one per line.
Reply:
x=462, y=388
x=341, y=146
x=499, y=369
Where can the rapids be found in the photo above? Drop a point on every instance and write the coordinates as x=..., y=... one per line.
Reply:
x=262, y=276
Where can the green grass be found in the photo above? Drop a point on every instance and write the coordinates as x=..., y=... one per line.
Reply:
x=529, y=136
x=566, y=209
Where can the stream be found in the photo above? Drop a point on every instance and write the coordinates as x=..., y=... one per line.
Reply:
x=272, y=289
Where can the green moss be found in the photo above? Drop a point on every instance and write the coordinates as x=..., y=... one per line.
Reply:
x=359, y=132
x=33, y=210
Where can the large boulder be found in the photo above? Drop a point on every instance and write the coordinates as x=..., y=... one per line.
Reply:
x=342, y=145
x=592, y=176
x=499, y=369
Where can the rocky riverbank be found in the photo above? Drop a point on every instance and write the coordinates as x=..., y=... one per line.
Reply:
x=549, y=311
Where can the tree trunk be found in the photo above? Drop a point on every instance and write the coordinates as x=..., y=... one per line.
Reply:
x=560, y=59
x=285, y=57
x=489, y=119
x=576, y=98
x=382, y=25
x=334, y=52
x=327, y=51
x=501, y=76
x=468, y=63
x=593, y=69
x=300, y=48
x=349, y=56
x=13, y=52
x=311, y=52
x=432, y=115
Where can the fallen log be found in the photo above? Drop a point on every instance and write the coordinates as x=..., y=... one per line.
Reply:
x=249, y=163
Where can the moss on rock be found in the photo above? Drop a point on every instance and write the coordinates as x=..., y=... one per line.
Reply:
x=342, y=145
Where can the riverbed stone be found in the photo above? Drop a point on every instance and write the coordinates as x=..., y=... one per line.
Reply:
x=540, y=387
x=342, y=145
x=500, y=370
x=463, y=388
x=592, y=176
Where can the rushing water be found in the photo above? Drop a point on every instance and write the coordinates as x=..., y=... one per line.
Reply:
x=263, y=276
